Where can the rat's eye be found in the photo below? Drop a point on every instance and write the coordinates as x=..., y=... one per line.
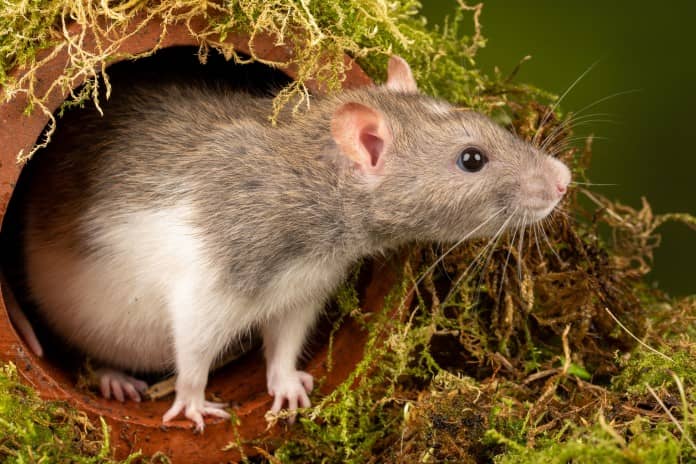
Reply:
x=471, y=159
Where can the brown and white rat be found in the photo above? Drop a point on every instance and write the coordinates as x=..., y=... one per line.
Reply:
x=160, y=234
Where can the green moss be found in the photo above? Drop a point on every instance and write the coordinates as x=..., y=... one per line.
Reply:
x=32, y=430
x=600, y=444
x=516, y=353
x=643, y=368
x=27, y=28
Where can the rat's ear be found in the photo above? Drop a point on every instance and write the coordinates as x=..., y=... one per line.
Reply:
x=399, y=76
x=362, y=135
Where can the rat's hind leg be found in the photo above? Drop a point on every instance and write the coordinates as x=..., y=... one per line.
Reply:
x=116, y=384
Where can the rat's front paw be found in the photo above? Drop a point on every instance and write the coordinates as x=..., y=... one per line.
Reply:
x=291, y=388
x=194, y=408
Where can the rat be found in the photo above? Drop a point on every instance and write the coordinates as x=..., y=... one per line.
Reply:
x=161, y=233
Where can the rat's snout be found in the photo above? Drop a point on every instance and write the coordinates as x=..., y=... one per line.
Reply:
x=542, y=187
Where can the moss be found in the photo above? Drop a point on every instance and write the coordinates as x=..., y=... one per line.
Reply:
x=643, y=368
x=514, y=350
x=32, y=430
x=641, y=442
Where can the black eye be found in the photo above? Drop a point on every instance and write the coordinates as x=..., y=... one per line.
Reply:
x=471, y=159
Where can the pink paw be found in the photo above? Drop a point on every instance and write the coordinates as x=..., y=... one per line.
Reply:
x=291, y=388
x=195, y=409
x=119, y=385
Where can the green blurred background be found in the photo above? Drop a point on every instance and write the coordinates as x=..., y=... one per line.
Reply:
x=648, y=149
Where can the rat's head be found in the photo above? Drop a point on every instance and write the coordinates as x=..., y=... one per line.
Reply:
x=427, y=170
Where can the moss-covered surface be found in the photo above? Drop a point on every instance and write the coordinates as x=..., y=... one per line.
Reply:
x=36, y=431
x=541, y=346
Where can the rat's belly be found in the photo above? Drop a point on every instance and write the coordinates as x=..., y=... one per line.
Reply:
x=103, y=307
x=118, y=299
x=112, y=301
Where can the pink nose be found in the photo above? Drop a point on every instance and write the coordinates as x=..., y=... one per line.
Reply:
x=561, y=188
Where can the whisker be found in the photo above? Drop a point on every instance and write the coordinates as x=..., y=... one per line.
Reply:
x=465, y=272
x=490, y=246
x=556, y=135
x=586, y=122
x=507, y=260
x=550, y=142
x=567, y=143
x=499, y=236
x=577, y=115
x=479, y=284
x=442, y=264
x=490, y=255
x=560, y=99
x=559, y=211
x=608, y=97
x=573, y=119
x=548, y=242
x=536, y=241
x=520, y=245
x=442, y=257
x=592, y=184
x=551, y=220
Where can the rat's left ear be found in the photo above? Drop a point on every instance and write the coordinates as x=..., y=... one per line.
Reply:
x=399, y=76
x=362, y=135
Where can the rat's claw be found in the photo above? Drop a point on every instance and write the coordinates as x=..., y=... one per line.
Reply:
x=117, y=390
x=291, y=389
x=307, y=381
x=141, y=386
x=174, y=411
x=195, y=412
x=215, y=404
x=119, y=385
x=105, y=387
x=197, y=419
x=131, y=392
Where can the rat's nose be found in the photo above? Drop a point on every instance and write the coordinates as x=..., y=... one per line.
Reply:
x=561, y=174
x=561, y=188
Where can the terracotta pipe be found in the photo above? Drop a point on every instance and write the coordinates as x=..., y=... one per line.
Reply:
x=138, y=426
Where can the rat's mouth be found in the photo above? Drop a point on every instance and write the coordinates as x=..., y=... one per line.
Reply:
x=537, y=211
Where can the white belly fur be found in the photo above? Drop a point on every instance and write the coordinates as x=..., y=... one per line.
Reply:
x=114, y=305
